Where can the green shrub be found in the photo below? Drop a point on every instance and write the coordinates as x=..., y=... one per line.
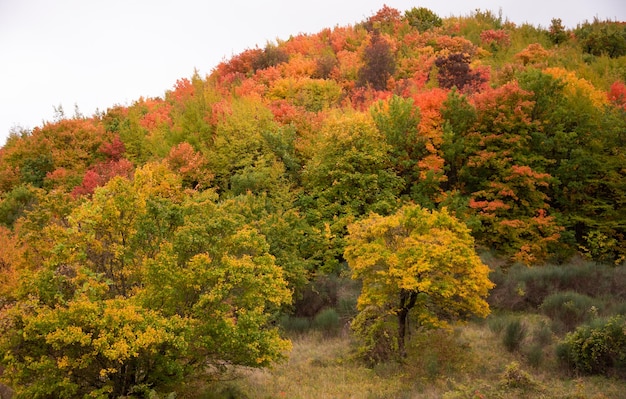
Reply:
x=569, y=309
x=346, y=307
x=596, y=348
x=523, y=288
x=294, y=324
x=327, y=321
x=514, y=334
x=497, y=323
x=542, y=335
x=534, y=355
x=515, y=377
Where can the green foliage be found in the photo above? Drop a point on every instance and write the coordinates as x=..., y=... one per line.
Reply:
x=140, y=283
x=602, y=37
x=327, y=321
x=569, y=309
x=270, y=56
x=205, y=214
x=15, y=203
x=557, y=31
x=514, y=334
x=422, y=18
x=348, y=176
x=596, y=348
x=91, y=349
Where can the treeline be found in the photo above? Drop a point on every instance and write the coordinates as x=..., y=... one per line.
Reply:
x=225, y=197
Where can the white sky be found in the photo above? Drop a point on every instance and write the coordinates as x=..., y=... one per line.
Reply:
x=96, y=53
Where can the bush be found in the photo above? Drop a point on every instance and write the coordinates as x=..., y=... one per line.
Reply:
x=569, y=309
x=327, y=321
x=515, y=377
x=524, y=288
x=294, y=324
x=596, y=348
x=534, y=355
x=514, y=334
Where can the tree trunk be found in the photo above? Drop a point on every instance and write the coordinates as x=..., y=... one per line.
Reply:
x=407, y=302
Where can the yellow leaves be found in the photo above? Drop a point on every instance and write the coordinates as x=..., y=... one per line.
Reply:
x=415, y=250
x=575, y=86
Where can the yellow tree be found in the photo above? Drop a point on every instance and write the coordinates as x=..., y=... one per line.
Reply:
x=415, y=264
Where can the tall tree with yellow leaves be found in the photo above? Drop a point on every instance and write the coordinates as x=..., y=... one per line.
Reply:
x=415, y=265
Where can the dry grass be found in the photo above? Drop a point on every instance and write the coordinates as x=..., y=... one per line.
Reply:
x=470, y=362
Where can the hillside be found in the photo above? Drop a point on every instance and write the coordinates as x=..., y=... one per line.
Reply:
x=163, y=240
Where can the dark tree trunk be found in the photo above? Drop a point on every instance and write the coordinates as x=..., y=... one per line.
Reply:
x=407, y=302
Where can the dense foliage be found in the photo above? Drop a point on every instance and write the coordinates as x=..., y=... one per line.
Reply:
x=415, y=265
x=156, y=240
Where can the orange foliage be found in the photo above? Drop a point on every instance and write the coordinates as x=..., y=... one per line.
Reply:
x=9, y=258
x=298, y=66
x=183, y=89
x=284, y=112
x=533, y=54
x=159, y=111
x=190, y=165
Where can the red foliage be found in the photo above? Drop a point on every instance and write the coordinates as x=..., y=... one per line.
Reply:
x=284, y=112
x=101, y=173
x=495, y=38
x=617, y=94
x=113, y=150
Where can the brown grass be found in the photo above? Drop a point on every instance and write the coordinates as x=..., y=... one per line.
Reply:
x=469, y=362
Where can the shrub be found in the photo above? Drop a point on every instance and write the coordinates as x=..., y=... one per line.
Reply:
x=523, y=288
x=515, y=377
x=295, y=324
x=596, y=348
x=327, y=321
x=542, y=335
x=514, y=334
x=497, y=323
x=534, y=355
x=569, y=309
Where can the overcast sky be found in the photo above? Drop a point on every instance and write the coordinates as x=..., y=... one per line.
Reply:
x=96, y=54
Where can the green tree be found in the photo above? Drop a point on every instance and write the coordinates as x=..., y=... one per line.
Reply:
x=142, y=286
x=348, y=176
x=398, y=121
x=414, y=264
x=422, y=18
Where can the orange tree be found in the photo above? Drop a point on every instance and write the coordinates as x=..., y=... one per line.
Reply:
x=414, y=264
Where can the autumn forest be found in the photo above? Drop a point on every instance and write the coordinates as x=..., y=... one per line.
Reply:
x=384, y=181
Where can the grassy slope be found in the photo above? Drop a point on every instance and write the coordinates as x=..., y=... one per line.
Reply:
x=470, y=362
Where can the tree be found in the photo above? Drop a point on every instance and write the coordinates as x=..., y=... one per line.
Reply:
x=454, y=71
x=379, y=63
x=348, y=176
x=418, y=265
x=557, y=33
x=144, y=285
x=422, y=18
